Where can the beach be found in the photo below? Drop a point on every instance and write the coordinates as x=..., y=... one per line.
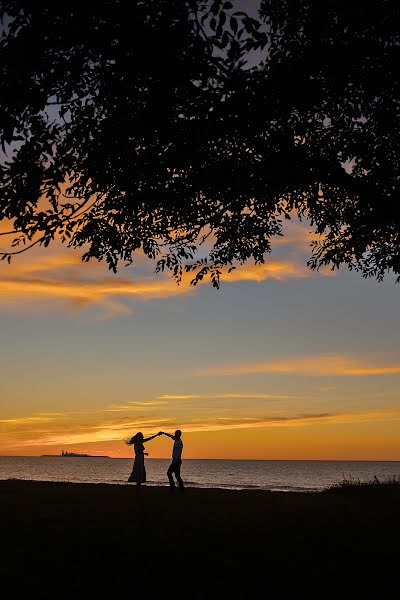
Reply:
x=92, y=538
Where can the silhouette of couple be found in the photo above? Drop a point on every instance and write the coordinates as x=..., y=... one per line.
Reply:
x=138, y=474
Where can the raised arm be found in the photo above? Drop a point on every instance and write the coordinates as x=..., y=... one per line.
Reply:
x=167, y=434
x=151, y=437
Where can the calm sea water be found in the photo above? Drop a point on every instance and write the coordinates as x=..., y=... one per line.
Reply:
x=282, y=475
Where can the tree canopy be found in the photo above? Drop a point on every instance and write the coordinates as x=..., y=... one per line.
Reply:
x=130, y=126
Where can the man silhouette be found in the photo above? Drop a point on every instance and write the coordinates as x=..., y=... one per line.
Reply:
x=175, y=466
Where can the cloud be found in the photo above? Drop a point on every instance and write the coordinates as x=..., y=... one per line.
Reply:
x=297, y=420
x=132, y=406
x=72, y=433
x=258, y=396
x=335, y=364
x=297, y=235
x=181, y=397
x=227, y=396
x=280, y=270
x=85, y=292
x=57, y=273
x=26, y=420
x=79, y=285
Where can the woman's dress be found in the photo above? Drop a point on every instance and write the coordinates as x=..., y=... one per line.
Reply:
x=138, y=474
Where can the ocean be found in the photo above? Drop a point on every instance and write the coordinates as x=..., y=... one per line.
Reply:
x=276, y=475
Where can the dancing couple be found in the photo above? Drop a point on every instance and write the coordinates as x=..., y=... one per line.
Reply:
x=138, y=474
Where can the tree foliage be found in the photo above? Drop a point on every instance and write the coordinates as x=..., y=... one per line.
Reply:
x=130, y=126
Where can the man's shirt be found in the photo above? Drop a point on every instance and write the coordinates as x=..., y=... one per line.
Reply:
x=177, y=449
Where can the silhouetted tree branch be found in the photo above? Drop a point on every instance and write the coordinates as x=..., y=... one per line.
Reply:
x=151, y=111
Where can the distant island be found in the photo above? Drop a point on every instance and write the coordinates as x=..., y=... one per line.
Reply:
x=75, y=455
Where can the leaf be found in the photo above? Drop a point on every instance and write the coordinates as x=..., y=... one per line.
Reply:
x=215, y=8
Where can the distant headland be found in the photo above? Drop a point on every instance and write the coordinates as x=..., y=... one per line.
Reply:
x=74, y=455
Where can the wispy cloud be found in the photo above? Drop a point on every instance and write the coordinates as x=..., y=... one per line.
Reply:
x=85, y=292
x=132, y=406
x=280, y=270
x=56, y=273
x=72, y=433
x=63, y=277
x=181, y=396
x=337, y=364
x=249, y=396
x=296, y=420
x=27, y=420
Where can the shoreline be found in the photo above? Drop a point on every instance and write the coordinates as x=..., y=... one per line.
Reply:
x=189, y=486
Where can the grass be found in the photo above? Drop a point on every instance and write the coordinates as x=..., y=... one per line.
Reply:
x=85, y=540
x=351, y=484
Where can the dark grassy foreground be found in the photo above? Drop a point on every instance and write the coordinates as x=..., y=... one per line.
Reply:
x=93, y=539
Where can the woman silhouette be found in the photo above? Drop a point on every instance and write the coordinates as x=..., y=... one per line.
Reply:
x=138, y=474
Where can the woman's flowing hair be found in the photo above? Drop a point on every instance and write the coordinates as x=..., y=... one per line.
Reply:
x=134, y=439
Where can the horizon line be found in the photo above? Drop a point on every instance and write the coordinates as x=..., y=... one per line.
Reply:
x=235, y=459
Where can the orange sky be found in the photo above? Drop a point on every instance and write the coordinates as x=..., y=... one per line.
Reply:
x=338, y=442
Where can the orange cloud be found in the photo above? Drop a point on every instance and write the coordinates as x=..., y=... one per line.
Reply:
x=70, y=288
x=340, y=364
x=280, y=270
x=57, y=273
x=26, y=420
x=181, y=397
x=297, y=234
x=63, y=277
x=67, y=433
x=231, y=396
x=131, y=406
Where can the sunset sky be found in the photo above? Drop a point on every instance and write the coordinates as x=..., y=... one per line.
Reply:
x=280, y=363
